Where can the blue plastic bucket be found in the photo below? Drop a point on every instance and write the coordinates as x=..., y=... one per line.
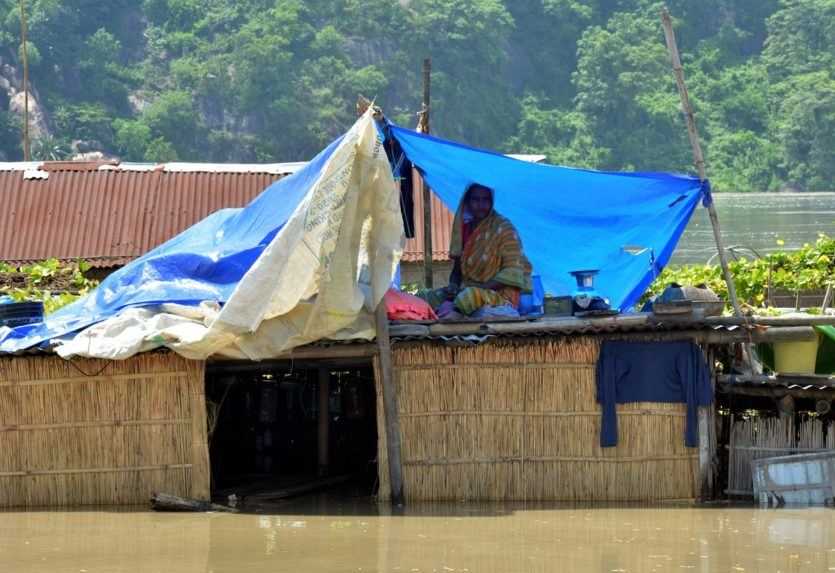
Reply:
x=531, y=303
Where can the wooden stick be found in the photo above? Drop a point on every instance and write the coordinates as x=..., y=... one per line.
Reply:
x=781, y=329
x=76, y=471
x=335, y=352
x=93, y=424
x=101, y=379
x=390, y=405
x=509, y=459
x=168, y=502
x=707, y=452
x=827, y=298
x=775, y=392
x=698, y=158
x=781, y=381
x=428, y=275
x=324, y=420
x=201, y=474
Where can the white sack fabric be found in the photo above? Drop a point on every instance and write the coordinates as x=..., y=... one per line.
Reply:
x=320, y=277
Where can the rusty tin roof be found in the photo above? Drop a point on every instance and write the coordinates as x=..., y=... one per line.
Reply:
x=109, y=214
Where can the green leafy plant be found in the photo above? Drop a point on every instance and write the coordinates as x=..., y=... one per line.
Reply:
x=811, y=268
x=52, y=282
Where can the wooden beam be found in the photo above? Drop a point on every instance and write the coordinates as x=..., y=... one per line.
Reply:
x=778, y=381
x=390, y=406
x=707, y=452
x=428, y=276
x=335, y=352
x=776, y=392
x=324, y=420
x=618, y=327
x=827, y=298
x=201, y=473
x=94, y=424
x=168, y=502
x=808, y=320
x=698, y=157
x=107, y=470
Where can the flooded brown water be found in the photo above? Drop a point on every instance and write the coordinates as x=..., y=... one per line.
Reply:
x=307, y=537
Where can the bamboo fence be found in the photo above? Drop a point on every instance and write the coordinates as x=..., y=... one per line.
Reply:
x=518, y=420
x=101, y=432
x=761, y=437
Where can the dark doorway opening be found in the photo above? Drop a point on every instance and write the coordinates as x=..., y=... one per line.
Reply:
x=280, y=430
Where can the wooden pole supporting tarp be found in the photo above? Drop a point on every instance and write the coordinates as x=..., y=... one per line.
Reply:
x=324, y=420
x=698, y=157
x=706, y=415
x=390, y=408
x=428, y=276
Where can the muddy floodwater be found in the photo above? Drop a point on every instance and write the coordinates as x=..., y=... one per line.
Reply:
x=313, y=537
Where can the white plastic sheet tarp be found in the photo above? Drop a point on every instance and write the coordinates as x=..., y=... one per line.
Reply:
x=320, y=277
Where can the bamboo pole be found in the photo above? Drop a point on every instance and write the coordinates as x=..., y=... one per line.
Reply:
x=427, y=193
x=389, y=405
x=201, y=474
x=324, y=420
x=26, y=146
x=827, y=298
x=698, y=157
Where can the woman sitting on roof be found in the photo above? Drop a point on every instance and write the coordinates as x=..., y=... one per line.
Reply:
x=490, y=270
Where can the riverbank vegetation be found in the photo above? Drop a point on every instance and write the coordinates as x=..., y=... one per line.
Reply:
x=809, y=269
x=54, y=283
x=586, y=82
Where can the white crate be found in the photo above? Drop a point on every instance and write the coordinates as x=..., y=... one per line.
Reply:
x=803, y=479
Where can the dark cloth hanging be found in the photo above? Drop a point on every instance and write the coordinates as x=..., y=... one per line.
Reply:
x=651, y=372
x=403, y=170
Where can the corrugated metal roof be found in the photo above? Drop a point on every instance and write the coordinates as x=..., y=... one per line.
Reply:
x=441, y=229
x=109, y=215
x=115, y=165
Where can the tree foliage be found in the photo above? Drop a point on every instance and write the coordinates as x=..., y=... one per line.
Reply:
x=587, y=82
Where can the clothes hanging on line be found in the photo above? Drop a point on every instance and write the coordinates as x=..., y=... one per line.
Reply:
x=670, y=372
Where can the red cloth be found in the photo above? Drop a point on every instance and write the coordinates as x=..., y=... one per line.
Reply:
x=404, y=306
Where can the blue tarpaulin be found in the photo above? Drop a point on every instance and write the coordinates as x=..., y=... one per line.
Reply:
x=203, y=263
x=624, y=224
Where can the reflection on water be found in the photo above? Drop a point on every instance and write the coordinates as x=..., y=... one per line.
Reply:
x=757, y=220
x=497, y=538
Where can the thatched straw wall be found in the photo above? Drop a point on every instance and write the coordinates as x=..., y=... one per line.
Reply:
x=518, y=420
x=101, y=432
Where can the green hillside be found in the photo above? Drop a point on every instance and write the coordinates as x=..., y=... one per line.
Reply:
x=587, y=82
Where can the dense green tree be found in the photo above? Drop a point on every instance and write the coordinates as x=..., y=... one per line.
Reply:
x=626, y=92
x=587, y=82
x=806, y=131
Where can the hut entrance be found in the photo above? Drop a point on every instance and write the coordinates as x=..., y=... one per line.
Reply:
x=281, y=430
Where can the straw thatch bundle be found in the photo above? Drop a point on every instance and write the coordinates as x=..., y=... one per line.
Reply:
x=101, y=432
x=518, y=419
